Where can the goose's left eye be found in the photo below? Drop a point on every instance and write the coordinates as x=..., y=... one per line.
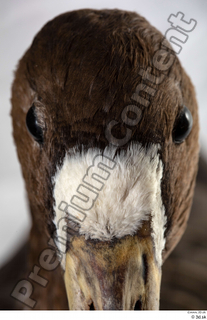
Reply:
x=183, y=125
x=33, y=126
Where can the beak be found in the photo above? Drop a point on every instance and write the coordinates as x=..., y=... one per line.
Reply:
x=121, y=274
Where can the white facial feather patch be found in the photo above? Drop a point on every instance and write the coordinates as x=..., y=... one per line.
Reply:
x=111, y=196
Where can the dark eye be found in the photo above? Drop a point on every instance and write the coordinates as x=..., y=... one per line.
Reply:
x=183, y=125
x=32, y=125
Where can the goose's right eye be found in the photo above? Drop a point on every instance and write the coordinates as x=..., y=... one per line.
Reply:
x=33, y=126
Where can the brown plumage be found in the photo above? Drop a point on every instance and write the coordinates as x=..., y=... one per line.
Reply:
x=80, y=72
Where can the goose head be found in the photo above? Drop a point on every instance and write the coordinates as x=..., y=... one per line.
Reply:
x=105, y=123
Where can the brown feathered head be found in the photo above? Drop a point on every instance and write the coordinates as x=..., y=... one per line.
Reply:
x=106, y=128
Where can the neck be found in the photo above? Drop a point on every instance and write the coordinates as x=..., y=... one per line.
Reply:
x=45, y=274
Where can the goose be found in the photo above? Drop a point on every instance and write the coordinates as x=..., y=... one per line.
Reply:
x=105, y=123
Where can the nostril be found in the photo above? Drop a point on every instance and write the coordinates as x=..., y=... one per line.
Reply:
x=138, y=305
x=92, y=306
x=144, y=268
